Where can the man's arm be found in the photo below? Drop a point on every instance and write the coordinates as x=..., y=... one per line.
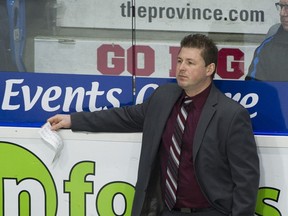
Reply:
x=244, y=163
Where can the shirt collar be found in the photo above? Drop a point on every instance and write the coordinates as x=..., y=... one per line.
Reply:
x=199, y=99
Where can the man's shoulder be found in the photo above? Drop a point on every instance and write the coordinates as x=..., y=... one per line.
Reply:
x=169, y=87
x=273, y=30
x=226, y=101
x=166, y=91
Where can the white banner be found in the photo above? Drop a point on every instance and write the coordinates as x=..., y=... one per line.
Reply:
x=153, y=59
x=252, y=16
x=96, y=174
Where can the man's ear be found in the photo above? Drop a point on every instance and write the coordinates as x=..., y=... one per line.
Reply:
x=210, y=69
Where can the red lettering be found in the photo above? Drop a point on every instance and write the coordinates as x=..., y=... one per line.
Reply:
x=117, y=62
x=233, y=69
x=144, y=53
x=115, y=55
x=173, y=52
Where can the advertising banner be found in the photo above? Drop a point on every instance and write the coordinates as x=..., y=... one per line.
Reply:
x=266, y=102
x=96, y=174
x=152, y=59
x=194, y=15
x=31, y=98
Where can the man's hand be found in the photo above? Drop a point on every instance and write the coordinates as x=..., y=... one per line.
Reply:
x=60, y=121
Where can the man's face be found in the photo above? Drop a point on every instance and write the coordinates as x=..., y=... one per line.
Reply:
x=191, y=73
x=284, y=14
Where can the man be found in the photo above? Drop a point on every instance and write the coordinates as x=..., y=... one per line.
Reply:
x=270, y=58
x=218, y=171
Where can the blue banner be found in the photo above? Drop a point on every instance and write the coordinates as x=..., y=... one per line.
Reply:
x=266, y=102
x=28, y=99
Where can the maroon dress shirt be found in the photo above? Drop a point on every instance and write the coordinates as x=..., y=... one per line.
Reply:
x=189, y=194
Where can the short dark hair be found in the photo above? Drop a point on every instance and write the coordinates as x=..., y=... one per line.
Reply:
x=207, y=45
